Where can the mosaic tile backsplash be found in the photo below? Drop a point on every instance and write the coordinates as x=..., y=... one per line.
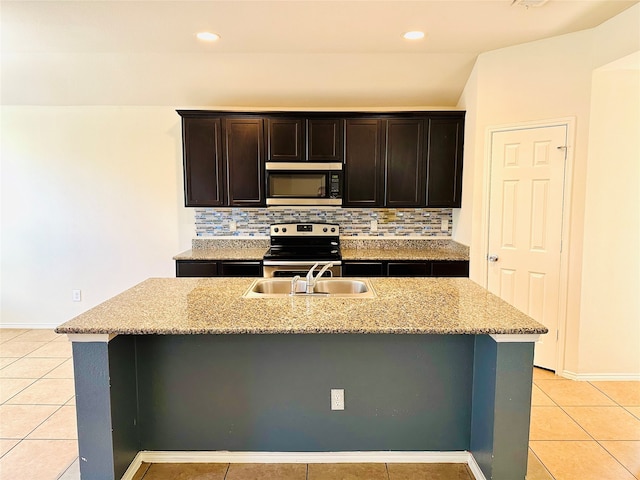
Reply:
x=401, y=222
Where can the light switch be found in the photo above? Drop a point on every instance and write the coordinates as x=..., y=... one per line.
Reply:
x=444, y=225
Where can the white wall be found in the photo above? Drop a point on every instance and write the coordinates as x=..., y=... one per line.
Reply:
x=610, y=300
x=462, y=217
x=545, y=80
x=91, y=200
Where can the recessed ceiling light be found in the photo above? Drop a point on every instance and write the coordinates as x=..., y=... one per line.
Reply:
x=414, y=35
x=529, y=3
x=208, y=36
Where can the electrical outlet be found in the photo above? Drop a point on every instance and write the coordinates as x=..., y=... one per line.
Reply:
x=374, y=225
x=76, y=295
x=337, y=399
x=444, y=225
x=233, y=226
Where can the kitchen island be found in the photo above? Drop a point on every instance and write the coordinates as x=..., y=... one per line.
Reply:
x=430, y=365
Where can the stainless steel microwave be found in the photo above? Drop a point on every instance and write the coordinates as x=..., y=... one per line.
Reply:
x=304, y=183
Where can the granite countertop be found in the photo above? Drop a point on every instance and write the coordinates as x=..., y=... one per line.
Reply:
x=446, y=306
x=352, y=249
x=442, y=253
x=222, y=254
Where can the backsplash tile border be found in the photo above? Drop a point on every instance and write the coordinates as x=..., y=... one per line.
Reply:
x=354, y=222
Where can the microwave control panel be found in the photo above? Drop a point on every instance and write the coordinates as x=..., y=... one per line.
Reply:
x=334, y=186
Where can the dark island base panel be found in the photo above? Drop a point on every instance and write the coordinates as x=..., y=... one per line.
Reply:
x=271, y=393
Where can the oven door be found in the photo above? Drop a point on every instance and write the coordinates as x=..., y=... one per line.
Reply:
x=284, y=268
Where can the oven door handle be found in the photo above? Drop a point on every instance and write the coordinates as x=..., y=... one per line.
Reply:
x=293, y=263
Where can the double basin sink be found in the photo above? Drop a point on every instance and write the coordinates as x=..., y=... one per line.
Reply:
x=329, y=287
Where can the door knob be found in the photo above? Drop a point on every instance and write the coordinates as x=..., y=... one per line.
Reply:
x=492, y=258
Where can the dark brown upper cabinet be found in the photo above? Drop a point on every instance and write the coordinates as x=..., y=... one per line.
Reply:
x=324, y=139
x=384, y=162
x=404, y=163
x=244, y=155
x=304, y=139
x=204, y=165
x=393, y=160
x=363, y=168
x=223, y=161
x=445, y=137
x=284, y=139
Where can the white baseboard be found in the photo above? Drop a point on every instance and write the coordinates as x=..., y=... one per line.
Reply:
x=30, y=326
x=303, y=457
x=601, y=377
x=475, y=468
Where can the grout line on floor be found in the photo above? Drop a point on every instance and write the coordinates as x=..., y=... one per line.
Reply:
x=543, y=465
x=576, y=421
x=19, y=442
x=64, y=472
x=616, y=458
x=41, y=423
x=631, y=413
x=6, y=402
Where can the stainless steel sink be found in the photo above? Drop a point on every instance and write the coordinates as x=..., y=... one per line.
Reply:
x=342, y=286
x=330, y=287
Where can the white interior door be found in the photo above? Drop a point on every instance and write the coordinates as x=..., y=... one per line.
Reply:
x=525, y=226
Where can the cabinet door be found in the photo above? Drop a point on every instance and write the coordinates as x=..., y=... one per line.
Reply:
x=204, y=170
x=408, y=269
x=284, y=139
x=363, y=269
x=444, y=162
x=404, y=163
x=324, y=140
x=244, y=161
x=363, y=186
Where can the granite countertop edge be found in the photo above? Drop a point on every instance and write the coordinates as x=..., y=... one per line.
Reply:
x=301, y=331
x=352, y=249
x=216, y=306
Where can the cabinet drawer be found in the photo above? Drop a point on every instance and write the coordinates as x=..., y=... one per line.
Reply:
x=199, y=268
x=362, y=269
x=408, y=269
x=240, y=269
x=450, y=268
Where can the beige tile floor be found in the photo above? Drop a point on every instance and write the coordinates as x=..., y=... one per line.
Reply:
x=579, y=430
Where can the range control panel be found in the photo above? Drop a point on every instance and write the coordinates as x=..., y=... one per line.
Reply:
x=311, y=229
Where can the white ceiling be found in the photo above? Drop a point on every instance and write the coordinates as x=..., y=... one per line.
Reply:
x=301, y=53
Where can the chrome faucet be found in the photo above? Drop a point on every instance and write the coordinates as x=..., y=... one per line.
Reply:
x=294, y=284
x=311, y=282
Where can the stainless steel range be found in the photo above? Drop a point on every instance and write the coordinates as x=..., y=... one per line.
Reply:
x=296, y=247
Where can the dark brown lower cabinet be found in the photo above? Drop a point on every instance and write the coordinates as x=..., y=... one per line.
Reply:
x=450, y=268
x=218, y=268
x=409, y=268
x=350, y=268
x=240, y=269
x=363, y=269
